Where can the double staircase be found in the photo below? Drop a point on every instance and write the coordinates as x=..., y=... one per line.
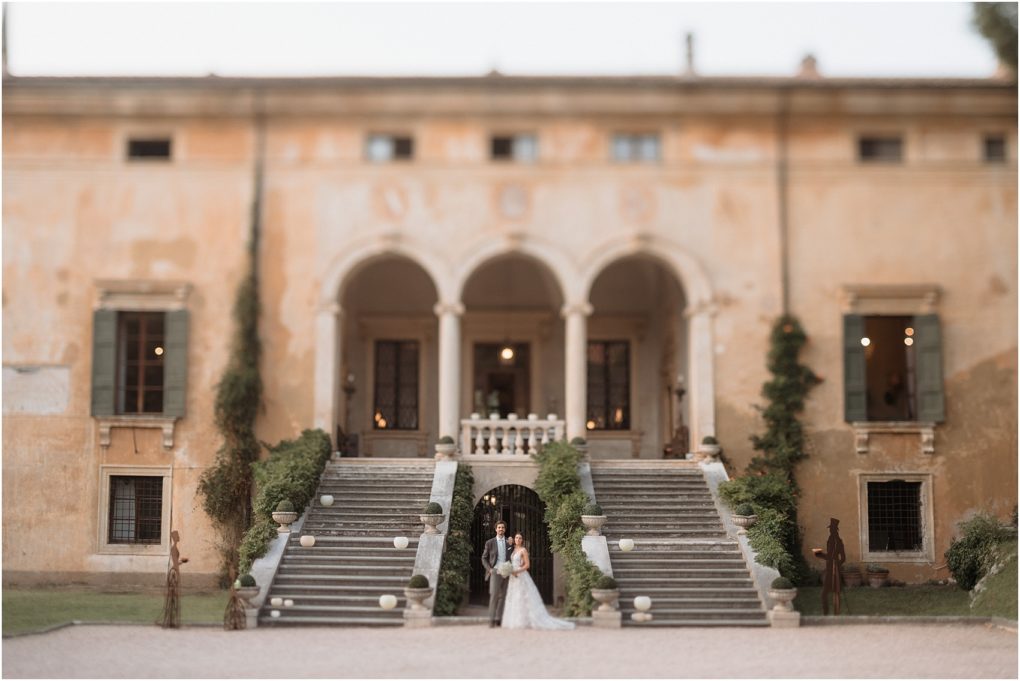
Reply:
x=339, y=580
x=694, y=573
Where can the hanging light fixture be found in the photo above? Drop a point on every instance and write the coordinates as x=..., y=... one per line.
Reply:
x=506, y=351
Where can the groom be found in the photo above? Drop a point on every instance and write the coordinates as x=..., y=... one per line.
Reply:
x=497, y=550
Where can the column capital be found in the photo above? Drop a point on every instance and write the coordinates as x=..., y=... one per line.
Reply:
x=331, y=307
x=449, y=308
x=708, y=308
x=583, y=309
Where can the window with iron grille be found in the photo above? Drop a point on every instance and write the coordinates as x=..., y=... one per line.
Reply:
x=136, y=509
x=396, y=385
x=995, y=148
x=608, y=385
x=140, y=350
x=635, y=147
x=384, y=147
x=880, y=149
x=149, y=149
x=894, y=516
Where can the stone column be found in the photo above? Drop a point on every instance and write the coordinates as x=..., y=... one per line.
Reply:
x=700, y=367
x=576, y=366
x=449, y=368
x=327, y=355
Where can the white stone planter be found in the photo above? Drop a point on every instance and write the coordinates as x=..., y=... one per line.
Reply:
x=607, y=599
x=708, y=451
x=594, y=524
x=416, y=597
x=246, y=593
x=285, y=518
x=446, y=450
x=877, y=579
x=744, y=522
x=783, y=598
x=432, y=521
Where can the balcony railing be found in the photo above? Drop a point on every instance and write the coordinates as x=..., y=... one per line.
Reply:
x=510, y=436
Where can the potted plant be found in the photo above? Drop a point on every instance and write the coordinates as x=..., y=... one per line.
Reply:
x=432, y=515
x=744, y=517
x=593, y=518
x=445, y=448
x=417, y=590
x=877, y=576
x=606, y=591
x=709, y=448
x=782, y=591
x=285, y=515
x=580, y=444
x=851, y=574
x=246, y=588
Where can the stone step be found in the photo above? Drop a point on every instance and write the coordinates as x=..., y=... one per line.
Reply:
x=288, y=567
x=349, y=610
x=310, y=555
x=416, y=503
x=656, y=507
x=363, y=581
x=354, y=599
x=641, y=584
x=371, y=483
x=677, y=563
x=707, y=613
x=307, y=621
x=356, y=543
x=673, y=573
x=749, y=601
x=661, y=533
x=619, y=498
x=697, y=622
x=307, y=588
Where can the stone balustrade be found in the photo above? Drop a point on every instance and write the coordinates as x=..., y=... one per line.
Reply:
x=510, y=436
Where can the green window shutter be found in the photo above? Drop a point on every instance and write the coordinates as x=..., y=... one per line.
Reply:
x=104, y=362
x=931, y=402
x=175, y=363
x=855, y=374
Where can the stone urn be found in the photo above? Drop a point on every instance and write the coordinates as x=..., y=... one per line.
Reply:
x=445, y=450
x=285, y=518
x=594, y=524
x=416, y=596
x=783, y=598
x=606, y=598
x=246, y=593
x=708, y=451
x=432, y=522
x=744, y=522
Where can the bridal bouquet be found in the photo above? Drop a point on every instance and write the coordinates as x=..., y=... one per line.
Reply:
x=504, y=569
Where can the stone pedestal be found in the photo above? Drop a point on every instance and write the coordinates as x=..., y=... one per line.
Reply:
x=417, y=618
x=607, y=620
x=784, y=618
x=251, y=616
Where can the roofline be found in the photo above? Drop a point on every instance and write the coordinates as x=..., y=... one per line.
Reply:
x=623, y=82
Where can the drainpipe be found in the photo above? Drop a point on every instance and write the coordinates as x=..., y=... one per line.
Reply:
x=782, y=188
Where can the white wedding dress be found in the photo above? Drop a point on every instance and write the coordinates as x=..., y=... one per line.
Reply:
x=523, y=607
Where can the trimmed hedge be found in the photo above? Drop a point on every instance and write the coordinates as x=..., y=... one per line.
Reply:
x=291, y=473
x=972, y=555
x=771, y=498
x=559, y=487
x=455, y=569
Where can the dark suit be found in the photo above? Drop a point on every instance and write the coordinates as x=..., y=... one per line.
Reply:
x=497, y=583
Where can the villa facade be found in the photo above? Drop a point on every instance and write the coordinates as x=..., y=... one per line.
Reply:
x=606, y=255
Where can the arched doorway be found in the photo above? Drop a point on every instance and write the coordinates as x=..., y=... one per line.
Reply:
x=522, y=510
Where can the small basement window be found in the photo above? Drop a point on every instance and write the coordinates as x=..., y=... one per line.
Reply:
x=149, y=148
x=995, y=149
x=881, y=149
x=381, y=148
x=520, y=148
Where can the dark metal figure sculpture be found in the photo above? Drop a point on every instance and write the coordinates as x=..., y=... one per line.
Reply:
x=834, y=556
x=171, y=618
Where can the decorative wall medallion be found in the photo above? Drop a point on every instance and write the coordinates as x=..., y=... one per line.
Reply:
x=390, y=201
x=637, y=204
x=512, y=200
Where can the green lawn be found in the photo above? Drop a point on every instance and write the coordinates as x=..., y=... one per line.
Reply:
x=999, y=598
x=920, y=600
x=34, y=609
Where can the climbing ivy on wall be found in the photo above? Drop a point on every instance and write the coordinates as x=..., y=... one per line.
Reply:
x=559, y=486
x=226, y=487
x=455, y=570
x=770, y=484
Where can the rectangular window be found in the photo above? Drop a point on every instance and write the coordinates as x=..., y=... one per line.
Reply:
x=995, y=149
x=520, y=148
x=396, y=385
x=894, y=516
x=891, y=364
x=149, y=149
x=635, y=147
x=608, y=385
x=381, y=148
x=880, y=149
x=136, y=510
x=141, y=348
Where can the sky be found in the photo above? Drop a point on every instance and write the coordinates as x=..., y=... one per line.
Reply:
x=925, y=39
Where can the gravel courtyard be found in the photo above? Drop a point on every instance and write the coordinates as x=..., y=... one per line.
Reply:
x=877, y=651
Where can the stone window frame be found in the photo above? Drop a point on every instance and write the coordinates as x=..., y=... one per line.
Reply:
x=899, y=300
x=107, y=471
x=927, y=552
x=145, y=296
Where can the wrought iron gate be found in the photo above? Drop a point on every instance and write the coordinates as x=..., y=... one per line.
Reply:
x=522, y=511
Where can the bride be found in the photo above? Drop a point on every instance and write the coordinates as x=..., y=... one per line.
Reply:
x=523, y=607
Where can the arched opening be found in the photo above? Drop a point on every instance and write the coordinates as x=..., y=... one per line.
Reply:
x=389, y=359
x=637, y=349
x=522, y=511
x=513, y=338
